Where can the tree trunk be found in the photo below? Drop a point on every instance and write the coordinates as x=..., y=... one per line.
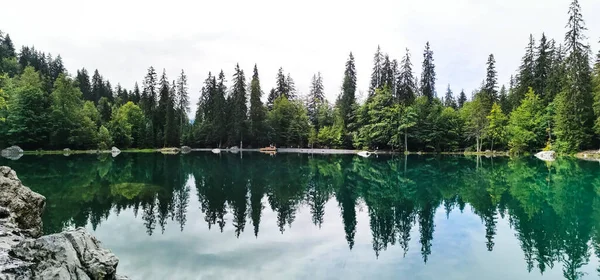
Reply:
x=405, y=141
x=492, y=148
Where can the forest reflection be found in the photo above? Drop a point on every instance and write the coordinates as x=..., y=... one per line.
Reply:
x=554, y=209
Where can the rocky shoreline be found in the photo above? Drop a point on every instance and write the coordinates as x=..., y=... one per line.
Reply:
x=25, y=254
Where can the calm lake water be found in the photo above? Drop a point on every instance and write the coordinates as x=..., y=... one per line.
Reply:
x=297, y=216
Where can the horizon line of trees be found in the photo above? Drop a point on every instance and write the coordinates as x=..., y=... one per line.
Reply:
x=553, y=102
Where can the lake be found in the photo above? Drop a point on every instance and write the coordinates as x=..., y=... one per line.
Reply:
x=300, y=216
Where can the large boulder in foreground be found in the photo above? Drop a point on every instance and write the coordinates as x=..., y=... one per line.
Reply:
x=24, y=205
x=546, y=155
x=74, y=254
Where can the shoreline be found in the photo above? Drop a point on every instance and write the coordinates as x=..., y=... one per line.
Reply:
x=174, y=150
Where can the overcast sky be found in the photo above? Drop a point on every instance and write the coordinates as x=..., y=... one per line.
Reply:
x=123, y=38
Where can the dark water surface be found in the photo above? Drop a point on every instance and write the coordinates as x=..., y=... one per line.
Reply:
x=296, y=216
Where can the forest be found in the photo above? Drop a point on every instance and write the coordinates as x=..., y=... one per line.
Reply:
x=551, y=102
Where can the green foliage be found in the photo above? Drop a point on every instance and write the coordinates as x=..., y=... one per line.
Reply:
x=376, y=120
x=257, y=118
x=497, y=125
x=288, y=123
x=28, y=111
x=104, y=139
x=474, y=116
x=526, y=125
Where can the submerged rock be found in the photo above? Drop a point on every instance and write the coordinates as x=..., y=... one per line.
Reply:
x=74, y=254
x=546, y=155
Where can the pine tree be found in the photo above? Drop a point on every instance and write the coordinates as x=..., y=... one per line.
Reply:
x=449, y=99
x=148, y=99
x=405, y=90
x=238, y=107
x=542, y=68
x=108, y=91
x=122, y=94
x=347, y=99
x=171, y=129
x=526, y=76
x=183, y=102
x=387, y=73
x=136, y=95
x=377, y=74
x=503, y=100
x=83, y=82
x=316, y=97
x=257, y=110
x=574, y=113
x=271, y=98
x=462, y=98
x=428, y=75
x=290, y=87
x=491, y=83
x=555, y=82
x=160, y=116
x=97, y=87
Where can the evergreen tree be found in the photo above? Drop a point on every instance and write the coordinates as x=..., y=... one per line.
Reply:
x=136, y=95
x=574, y=113
x=108, y=91
x=542, y=68
x=526, y=76
x=290, y=87
x=490, y=92
x=462, y=99
x=428, y=74
x=97, y=87
x=83, y=82
x=172, y=129
x=271, y=98
x=387, y=72
x=148, y=105
x=347, y=99
x=449, y=99
x=122, y=95
x=377, y=74
x=503, y=99
x=405, y=90
x=160, y=116
x=183, y=102
x=257, y=111
x=555, y=82
x=316, y=97
x=238, y=108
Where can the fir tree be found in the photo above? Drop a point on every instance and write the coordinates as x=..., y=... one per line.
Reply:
x=316, y=97
x=160, y=116
x=347, y=99
x=574, y=113
x=491, y=83
x=97, y=87
x=449, y=99
x=387, y=73
x=503, y=99
x=526, y=76
x=237, y=107
x=428, y=75
x=136, y=95
x=257, y=110
x=377, y=74
x=182, y=102
x=83, y=82
x=462, y=98
x=542, y=68
x=405, y=90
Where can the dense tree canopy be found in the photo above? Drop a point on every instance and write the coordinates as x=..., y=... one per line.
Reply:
x=552, y=102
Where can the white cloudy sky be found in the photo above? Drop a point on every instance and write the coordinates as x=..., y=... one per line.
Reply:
x=123, y=38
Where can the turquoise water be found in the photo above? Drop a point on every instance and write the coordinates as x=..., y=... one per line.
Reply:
x=297, y=216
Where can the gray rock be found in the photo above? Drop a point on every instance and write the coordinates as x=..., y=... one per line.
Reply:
x=25, y=205
x=185, y=150
x=72, y=254
x=115, y=151
x=546, y=155
x=14, y=152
